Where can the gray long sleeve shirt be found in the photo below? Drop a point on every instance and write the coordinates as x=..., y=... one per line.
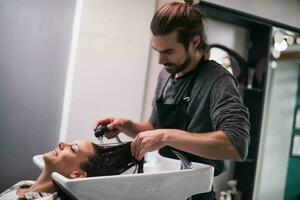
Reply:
x=215, y=103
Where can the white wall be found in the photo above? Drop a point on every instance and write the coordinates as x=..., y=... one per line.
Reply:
x=34, y=50
x=111, y=64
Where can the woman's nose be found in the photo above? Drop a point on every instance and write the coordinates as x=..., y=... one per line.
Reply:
x=62, y=145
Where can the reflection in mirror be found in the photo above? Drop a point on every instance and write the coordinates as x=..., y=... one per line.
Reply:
x=281, y=99
x=286, y=46
x=285, y=57
x=231, y=60
x=221, y=57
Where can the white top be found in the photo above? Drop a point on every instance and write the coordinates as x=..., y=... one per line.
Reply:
x=10, y=194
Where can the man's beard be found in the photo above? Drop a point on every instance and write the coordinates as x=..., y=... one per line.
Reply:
x=173, y=69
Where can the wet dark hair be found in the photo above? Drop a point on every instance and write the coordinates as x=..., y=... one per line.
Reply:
x=183, y=18
x=111, y=160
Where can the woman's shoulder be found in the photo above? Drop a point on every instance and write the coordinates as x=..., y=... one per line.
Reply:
x=23, y=184
x=18, y=185
x=40, y=196
x=10, y=193
x=52, y=196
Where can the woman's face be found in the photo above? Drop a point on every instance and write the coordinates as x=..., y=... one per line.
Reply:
x=67, y=157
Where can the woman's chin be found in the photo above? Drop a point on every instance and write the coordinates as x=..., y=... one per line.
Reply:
x=48, y=158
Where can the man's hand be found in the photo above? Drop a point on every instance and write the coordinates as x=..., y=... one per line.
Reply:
x=115, y=126
x=212, y=145
x=148, y=141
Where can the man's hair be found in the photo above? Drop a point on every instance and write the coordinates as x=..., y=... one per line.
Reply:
x=110, y=160
x=183, y=18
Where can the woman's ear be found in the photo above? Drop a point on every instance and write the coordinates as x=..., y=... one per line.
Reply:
x=78, y=174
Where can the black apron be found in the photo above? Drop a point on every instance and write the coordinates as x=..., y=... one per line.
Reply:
x=174, y=116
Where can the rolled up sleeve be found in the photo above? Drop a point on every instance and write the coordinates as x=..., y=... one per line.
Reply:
x=229, y=114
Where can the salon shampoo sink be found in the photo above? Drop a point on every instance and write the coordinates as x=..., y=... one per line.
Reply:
x=162, y=180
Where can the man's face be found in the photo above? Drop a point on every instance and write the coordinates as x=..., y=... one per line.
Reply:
x=67, y=157
x=172, y=54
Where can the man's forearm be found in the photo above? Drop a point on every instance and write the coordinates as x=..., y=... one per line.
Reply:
x=212, y=145
x=138, y=127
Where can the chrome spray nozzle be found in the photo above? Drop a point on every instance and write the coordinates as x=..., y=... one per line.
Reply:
x=100, y=132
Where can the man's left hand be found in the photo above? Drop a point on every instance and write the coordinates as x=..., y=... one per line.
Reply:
x=148, y=141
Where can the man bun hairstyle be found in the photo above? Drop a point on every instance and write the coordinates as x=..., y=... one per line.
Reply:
x=190, y=2
x=183, y=18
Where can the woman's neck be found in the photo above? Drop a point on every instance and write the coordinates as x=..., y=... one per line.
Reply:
x=43, y=184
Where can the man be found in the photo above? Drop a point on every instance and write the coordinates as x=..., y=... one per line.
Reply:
x=197, y=109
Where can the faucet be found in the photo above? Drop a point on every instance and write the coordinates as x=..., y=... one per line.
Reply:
x=185, y=163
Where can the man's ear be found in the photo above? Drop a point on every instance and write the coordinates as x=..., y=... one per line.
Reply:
x=78, y=174
x=196, y=41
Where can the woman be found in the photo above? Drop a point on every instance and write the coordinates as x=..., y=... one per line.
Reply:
x=78, y=159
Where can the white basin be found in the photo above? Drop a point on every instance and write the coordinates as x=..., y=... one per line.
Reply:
x=162, y=179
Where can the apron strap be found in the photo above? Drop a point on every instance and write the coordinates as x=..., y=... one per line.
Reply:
x=187, y=98
x=163, y=89
x=193, y=79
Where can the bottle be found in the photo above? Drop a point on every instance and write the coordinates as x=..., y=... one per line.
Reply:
x=232, y=191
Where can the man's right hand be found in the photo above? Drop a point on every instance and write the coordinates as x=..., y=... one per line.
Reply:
x=117, y=125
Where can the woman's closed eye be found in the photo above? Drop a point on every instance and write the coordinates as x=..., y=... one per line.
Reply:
x=74, y=148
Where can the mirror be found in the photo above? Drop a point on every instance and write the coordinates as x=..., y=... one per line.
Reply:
x=231, y=60
x=278, y=131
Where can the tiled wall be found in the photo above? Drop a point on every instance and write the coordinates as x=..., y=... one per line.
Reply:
x=111, y=64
